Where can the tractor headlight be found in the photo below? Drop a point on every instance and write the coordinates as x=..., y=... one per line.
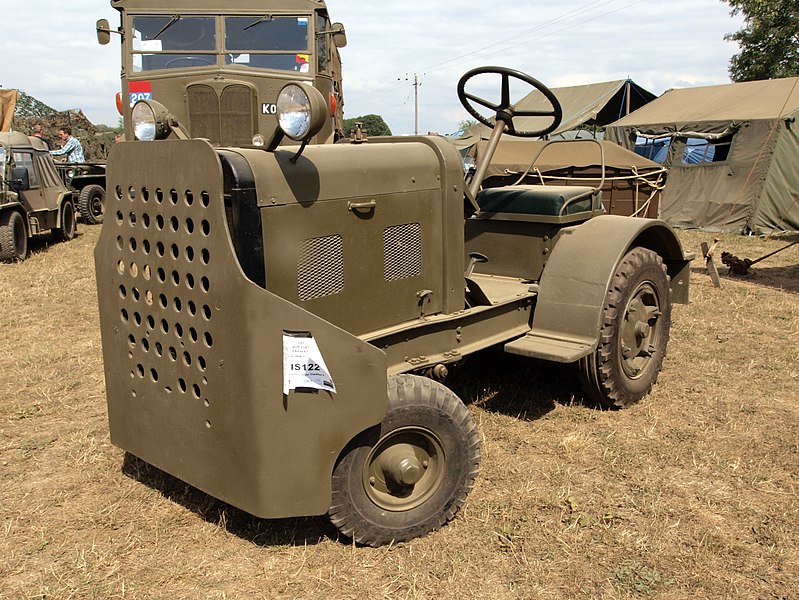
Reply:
x=301, y=111
x=150, y=120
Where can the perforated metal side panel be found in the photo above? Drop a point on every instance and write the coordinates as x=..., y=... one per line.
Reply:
x=193, y=350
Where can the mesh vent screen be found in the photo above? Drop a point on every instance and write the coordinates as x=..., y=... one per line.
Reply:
x=320, y=267
x=402, y=251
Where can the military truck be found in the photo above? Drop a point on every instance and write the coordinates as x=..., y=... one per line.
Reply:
x=277, y=321
x=218, y=66
x=33, y=200
x=87, y=181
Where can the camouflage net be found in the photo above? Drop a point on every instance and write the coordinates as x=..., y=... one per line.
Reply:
x=32, y=115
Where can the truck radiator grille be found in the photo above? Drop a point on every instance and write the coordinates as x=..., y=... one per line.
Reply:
x=402, y=251
x=226, y=119
x=320, y=267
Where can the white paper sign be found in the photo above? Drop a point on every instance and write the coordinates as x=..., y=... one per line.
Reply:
x=303, y=365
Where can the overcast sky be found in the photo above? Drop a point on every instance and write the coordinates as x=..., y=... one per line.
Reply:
x=659, y=44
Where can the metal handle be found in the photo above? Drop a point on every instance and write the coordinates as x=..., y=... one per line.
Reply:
x=361, y=205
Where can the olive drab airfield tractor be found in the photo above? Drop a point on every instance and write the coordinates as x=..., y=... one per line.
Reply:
x=217, y=67
x=33, y=199
x=277, y=320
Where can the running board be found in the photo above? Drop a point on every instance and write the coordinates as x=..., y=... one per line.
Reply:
x=549, y=347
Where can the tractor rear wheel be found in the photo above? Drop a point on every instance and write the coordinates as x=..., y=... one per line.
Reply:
x=68, y=225
x=92, y=204
x=13, y=237
x=411, y=474
x=635, y=332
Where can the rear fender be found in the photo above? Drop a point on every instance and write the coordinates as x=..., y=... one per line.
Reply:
x=578, y=274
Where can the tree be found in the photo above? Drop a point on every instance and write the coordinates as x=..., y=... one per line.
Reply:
x=769, y=40
x=372, y=124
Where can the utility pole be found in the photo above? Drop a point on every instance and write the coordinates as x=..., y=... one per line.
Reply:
x=416, y=85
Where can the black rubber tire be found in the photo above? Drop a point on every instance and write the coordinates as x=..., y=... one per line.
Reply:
x=13, y=237
x=69, y=225
x=429, y=423
x=92, y=204
x=635, y=332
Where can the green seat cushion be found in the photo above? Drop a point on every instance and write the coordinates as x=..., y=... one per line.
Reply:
x=534, y=199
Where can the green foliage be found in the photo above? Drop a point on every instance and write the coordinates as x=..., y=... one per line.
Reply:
x=372, y=124
x=769, y=40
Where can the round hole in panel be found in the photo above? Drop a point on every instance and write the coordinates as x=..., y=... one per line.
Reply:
x=175, y=251
x=173, y=354
x=174, y=224
x=187, y=359
x=159, y=222
x=148, y=297
x=132, y=340
x=131, y=193
x=162, y=301
x=134, y=270
x=120, y=217
x=140, y=370
x=189, y=226
x=201, y=363
x=182, y=385
x=179, y=330
x=120, y=242
x=205, y=199
x=189, y=197
x=208, y=339
x=150, y=322
x=205, y=256
x=205, y=226
x=145, y=194
x=132, y=219
x=192, y=308
x=147, y=272
x=145, y=220
x=173, y=196
x=175, y=277
x=177, y=303
x=159, y=195
x=118, y=192
x=132, y=244
x=206, y=402
x=154, y=375
x=121, y=267
x=193, y=334
x=161, y=275
x=146, y=246
x=137, y=319
x=208, y=424
x=195, y=391
x=135, y=294
x=123, y=292
x=206, y=312
x=205, y=284
x=164, y=326
x=159, y=349
x=124, y=314
x=190, y=281
x=159, y=249
x=189, y=253
x=145, y=344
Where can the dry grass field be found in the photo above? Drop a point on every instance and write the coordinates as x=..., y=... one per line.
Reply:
x=692, y=493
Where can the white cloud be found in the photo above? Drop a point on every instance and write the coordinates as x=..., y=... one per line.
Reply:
x=658, y=43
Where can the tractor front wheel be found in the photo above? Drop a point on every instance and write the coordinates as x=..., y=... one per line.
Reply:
x=411, y=474
x=635, y=332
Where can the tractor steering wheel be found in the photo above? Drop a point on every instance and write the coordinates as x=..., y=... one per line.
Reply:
x=505, y=110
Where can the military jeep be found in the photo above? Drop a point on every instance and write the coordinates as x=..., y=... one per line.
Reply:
x=33, y=199
x=277, y=322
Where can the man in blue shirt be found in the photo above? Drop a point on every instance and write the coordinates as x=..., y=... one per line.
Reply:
x=72, y=147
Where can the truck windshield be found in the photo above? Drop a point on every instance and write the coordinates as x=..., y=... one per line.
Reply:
x=268, y=42
x=173, y=42
x=256, y=41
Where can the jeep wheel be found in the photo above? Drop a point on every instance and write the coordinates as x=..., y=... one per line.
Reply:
x=92, y=204
x=13, y=237
x=68, y=225
x=635, y=332
x=409, y=475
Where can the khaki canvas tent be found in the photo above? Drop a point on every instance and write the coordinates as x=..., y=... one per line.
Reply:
x=592, y=104
x=8, y=102
x=732, y=152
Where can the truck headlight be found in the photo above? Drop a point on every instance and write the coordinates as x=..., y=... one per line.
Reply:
x=301, y=111
x=150, y=120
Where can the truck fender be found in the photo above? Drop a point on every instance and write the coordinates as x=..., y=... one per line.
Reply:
x=568, y=314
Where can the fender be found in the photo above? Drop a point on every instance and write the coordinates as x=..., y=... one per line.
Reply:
x=576, y=278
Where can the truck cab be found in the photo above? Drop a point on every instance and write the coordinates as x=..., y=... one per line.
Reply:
x=218, y=67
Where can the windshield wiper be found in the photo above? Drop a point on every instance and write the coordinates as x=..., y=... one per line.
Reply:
x=261, y=20
x=172, y=21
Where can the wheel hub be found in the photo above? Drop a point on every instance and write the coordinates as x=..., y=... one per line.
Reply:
x=640, y=330
x=404, y=469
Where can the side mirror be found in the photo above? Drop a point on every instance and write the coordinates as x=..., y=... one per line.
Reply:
x=20, y=179
x=339, y=35
x=103, y=32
